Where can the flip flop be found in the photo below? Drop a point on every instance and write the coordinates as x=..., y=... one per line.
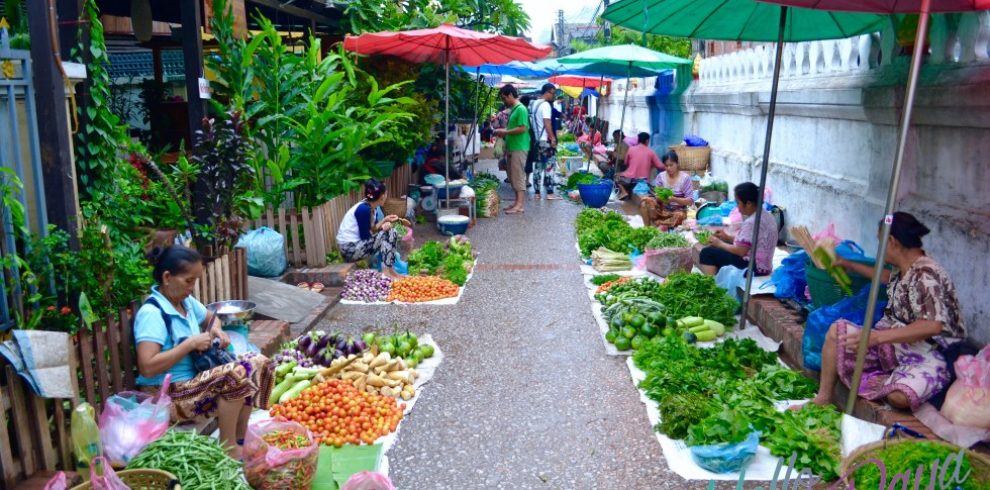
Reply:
x=317, y=287
x=554, y=197
x=517, y=211
x=303, y=285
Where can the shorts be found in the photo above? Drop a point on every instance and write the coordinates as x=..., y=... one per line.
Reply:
x=517, y=170
x=721, y=258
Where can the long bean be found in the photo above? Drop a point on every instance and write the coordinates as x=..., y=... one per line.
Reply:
x=199, y=462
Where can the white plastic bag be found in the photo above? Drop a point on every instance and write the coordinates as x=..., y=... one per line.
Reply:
x=265, y=252
x=968, y=400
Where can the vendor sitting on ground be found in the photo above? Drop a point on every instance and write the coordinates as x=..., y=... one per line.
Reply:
x=670, y=212
x=617, y=156
x=904, y=365
x=724, y=249
x=361, y=237
x=169, y=327
x=640, y=162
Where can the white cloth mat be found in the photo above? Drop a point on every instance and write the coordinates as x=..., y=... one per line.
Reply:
x=445, y=301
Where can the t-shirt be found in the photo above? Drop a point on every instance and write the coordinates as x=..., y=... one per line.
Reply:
x=541, y=110
x=149, y=326
x=356, y=224
x=767, y=240
x=518, y=117
x=639, y=159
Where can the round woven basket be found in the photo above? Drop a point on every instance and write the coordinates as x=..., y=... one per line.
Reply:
x=980, y=464
x=693, y=158
x=396, y=206
x=142, y=479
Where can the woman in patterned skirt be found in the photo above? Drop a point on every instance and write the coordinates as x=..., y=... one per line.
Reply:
x=904, y=364
x=170, y=326
x=361, y=236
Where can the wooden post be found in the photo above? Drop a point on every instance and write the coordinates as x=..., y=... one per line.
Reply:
x=156, y=56
x=53, y=133
x=192, y=54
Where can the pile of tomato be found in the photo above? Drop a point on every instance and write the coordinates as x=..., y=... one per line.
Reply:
x=337, y=413
x=417, y=289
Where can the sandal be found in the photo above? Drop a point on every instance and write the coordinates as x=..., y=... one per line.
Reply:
x=303, y=285
x=553, y=197
x=317, y=287
x=515, y=211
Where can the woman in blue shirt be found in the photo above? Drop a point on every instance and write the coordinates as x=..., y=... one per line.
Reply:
x=361, y=236
x=170, y=326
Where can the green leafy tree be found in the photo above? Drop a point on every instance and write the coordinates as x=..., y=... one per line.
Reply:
x=674, y=46
x=501, y=16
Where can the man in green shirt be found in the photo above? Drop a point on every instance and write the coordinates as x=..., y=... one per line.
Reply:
x=517, y=144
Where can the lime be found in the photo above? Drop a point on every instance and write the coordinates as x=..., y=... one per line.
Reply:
x=622, y=343
x=638, y=321
x=638, y=341
x=648, y=331
x=628, y=332
x=611, y=335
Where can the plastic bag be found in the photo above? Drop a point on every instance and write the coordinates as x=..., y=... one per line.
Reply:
x=828, y=232
x=692, y=140
x=852, y=309
x=108, y=480
x=727, y=207
x=642, y=188
x=58, y=482
x=731, y=279
x=265, y=252
x=368, y=480
x=667, y=261
x=267, y=466
x=726, y=458
x=132, y=420
x=968, y=400
x=789, y=278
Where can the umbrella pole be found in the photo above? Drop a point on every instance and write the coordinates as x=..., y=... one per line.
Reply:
x=474, y=126
x=598, y=115
x=625, y=99
x=446, y=124
x=895, y=178
x=775, y=85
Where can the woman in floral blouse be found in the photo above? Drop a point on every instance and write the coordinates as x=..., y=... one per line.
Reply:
x=904, y=365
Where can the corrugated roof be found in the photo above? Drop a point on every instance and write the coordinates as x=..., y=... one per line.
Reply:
x=140, y=64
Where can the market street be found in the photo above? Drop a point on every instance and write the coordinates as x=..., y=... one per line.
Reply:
x=527, y=397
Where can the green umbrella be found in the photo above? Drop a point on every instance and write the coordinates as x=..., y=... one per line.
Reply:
x=743, y=20
x=737, y=20
x=626, y=58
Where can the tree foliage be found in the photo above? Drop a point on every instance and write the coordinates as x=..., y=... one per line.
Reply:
x=499, y=16
x=674, y=46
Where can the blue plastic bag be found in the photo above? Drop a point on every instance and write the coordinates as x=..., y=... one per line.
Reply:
x=726, y=458
x=726, y=208
x=852, y=309
x=789, y=278
x=265, y=252
x=642, y=188
x=691, y=140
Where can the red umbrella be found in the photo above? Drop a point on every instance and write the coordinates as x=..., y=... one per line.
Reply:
x=922, y=7
x=578, y=81
x=447, y=45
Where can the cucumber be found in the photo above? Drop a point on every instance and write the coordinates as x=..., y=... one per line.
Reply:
x=294, y=392
x=716, y=327
x=680, y=324
x=692, y=321
x=706, y=336
x=701, y=328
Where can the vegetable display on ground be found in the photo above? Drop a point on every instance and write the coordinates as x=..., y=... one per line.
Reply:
x=366, y=285
x=418, y=289
x=337, y=413
x=199, y=462
x=602, y=279
x=722, y=393
x=605, y=260
x=667, y=240
x=452, y=261
x=917, y=457
x=579, y=178
x=596, y=229
x=685, y=294
x=610, y=284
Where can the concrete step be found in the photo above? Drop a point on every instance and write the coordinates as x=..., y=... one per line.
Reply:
x=268, y=335
x=332, y=275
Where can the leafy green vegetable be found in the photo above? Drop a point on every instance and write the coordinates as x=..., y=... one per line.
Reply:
x=663, y=193
x=702, y=236
x=608, y=229
x=724, y=427
x=602, y=279
x=568, y=138
x=580, y=178
x=679, y=412
x=667, y=240
x=453, y=269
x=785, y=384
x=686, y=294
x=426, y=259
x=813, y=434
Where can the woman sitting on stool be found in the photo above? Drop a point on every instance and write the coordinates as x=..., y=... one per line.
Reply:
x=724, y=249
x=360, y=236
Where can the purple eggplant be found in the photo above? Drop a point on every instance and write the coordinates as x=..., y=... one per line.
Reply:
x=360, y=346
x=342, y=344
x=304, y=342
x=326, y=357
x=338, y=353
x=325, y=340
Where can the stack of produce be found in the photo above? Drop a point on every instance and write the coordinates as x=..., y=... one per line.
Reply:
x=579, y=178
x=721, y=394
x=640, y=288
x=404, y=345
x=366, y=285
x=609, y=229
x=199, y=462
x=633, y=322
x=452, y=262
x=702, y=236
x=487, y=201
x=376, y=374
x=667, y=240
x=605, y=260
x=610, y=284
x=604, y=278
x=419, y=289
x=697, y=329
x=300, y=361
x=686, y=294
x=716, y=186
x=337, y=413
x=663, y=194
x=279, y=455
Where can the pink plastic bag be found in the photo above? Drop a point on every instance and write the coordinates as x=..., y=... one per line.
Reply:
x=666, y=261
x=968, y=400
x=828, y=232
x=108, y=480
x=57, y=482
x=367, y=480
x=132, y=420
x=268, y=467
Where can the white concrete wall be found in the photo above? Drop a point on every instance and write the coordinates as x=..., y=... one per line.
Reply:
x=833, y=150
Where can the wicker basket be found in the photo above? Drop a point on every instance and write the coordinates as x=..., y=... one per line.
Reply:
x=142, y=479
x=693, y=159
x=396, y=206
x=980, y=464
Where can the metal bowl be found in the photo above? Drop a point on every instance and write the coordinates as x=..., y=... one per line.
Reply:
x=232, y=312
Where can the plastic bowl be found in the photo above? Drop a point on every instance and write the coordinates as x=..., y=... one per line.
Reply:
x=595, y=195
x=434, y=179
x=455, y=191
x=453, y=224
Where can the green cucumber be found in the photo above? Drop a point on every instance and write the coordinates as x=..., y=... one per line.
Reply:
x=692, y=321
x=295, y=391
x=716, y=327
x=700, y=328
x=706, y=336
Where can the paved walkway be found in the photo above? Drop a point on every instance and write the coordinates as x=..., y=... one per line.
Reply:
x=526, y=397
